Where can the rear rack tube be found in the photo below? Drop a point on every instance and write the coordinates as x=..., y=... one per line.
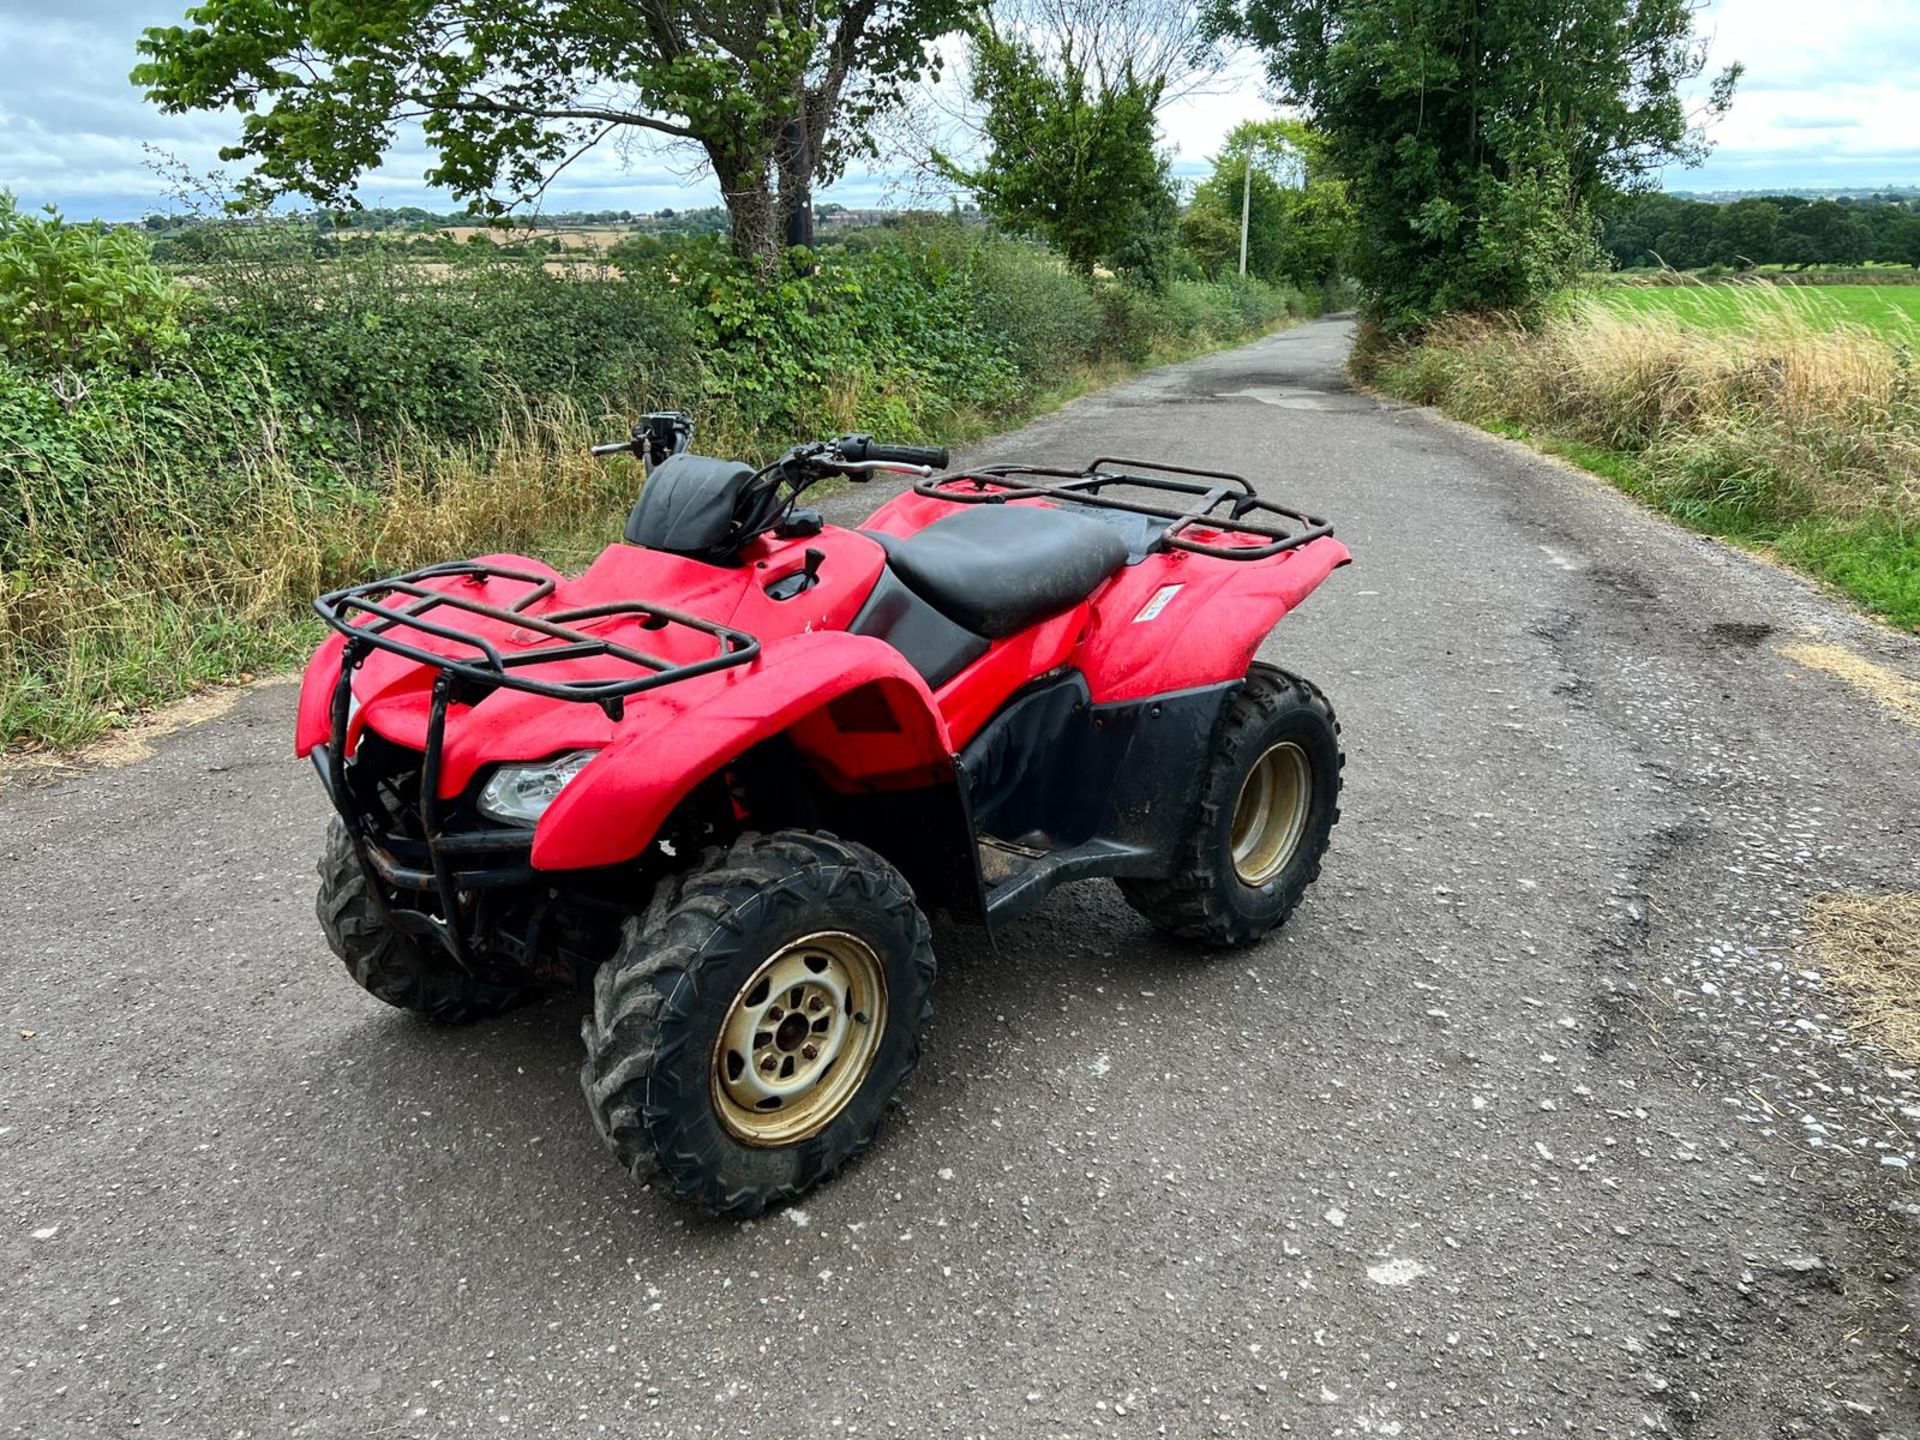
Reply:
x=997, y=484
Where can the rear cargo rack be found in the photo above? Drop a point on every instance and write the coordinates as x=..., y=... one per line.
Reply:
x=1227, y=506
x=368, y=615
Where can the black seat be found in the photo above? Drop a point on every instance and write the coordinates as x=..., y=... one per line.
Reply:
x=996, y=569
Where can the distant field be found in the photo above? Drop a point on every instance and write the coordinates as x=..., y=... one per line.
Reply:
x=1887, y=308
x=596, y=239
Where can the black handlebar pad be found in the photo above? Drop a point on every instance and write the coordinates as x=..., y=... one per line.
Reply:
x=862, y=447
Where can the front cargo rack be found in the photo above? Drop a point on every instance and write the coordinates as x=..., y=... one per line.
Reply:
x=1226, y=506
x=363, y=615
x=369, y=614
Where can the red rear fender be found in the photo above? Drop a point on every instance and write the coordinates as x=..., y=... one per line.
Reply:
x=1178, y=620
x=852, y=707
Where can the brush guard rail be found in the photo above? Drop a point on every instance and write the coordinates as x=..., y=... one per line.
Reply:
x=367, y=615
x=1227, y=506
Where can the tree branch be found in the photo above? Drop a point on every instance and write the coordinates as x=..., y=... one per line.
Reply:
x=480, y=105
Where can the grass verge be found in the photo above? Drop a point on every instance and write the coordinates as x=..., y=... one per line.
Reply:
x=1791, y=433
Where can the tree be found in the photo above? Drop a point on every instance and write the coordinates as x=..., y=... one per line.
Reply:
x=1211, y=237
x=1822, y=233
x=1900, y=242
x=1746, y=232
x=1299, y=223
x=776, y=98
x=1478, y=135
x=1168, y=43
x=1071, y=154
x=74, y=296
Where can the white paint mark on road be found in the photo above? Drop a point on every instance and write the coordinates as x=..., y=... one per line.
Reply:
x=1396, y=1272
x=1557, y=558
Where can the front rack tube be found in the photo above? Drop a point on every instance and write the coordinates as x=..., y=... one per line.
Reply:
x=365, y=616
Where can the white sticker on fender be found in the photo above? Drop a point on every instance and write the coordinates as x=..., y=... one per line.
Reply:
x=1151, y=610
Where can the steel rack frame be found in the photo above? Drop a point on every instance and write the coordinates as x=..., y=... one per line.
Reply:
x=997, y=484
x=367, y=615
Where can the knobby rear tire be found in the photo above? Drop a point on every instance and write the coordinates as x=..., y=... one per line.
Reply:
x=1204, y=899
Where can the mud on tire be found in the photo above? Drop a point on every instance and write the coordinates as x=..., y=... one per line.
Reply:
x=661, y=1072
x=389, y=964
x=1207, y=899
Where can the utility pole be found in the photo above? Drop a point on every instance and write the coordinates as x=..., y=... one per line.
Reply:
x=1246, y=206
x=799, y=160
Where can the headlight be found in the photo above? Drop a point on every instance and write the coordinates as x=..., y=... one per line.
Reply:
x=520, y=794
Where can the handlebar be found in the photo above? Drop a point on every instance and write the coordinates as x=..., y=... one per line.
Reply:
x=655, y=437
x=858, y=448
x=769, y=495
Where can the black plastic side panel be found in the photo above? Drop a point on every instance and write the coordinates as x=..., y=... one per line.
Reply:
x=1168, y=748
x=1054, y=770
x=926, y=835
x=1031, y=770
x=1102, y=789
x=926, y=639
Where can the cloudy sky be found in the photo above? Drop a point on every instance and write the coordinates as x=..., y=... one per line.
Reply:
x=1831, y=97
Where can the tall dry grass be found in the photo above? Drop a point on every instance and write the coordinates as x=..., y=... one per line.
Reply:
x=179, y=589
x=1777, y=425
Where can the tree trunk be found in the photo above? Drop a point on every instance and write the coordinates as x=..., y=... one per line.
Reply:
x=756, y=223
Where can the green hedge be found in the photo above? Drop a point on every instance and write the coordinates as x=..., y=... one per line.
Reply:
x=300, y=421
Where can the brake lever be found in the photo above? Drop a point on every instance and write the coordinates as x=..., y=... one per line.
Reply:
x=856, y=469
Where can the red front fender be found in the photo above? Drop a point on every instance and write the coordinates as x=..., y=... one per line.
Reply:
x=851, y=705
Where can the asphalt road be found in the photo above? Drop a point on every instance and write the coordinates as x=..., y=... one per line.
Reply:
x=1532, y=1120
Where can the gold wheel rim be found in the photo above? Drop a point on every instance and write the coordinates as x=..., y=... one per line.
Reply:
x=1270, y=816
x=799, y=1039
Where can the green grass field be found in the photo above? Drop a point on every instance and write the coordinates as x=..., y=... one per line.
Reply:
x=1890, y=309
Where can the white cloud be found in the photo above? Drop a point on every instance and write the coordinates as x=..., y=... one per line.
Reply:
x=1831, y=99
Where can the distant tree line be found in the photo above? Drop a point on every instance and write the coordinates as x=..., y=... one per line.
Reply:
x=1789, y=230
x=707, y=220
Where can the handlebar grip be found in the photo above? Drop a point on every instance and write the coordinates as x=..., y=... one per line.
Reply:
x=618, y=447
x=863, y=448
x=933, y=455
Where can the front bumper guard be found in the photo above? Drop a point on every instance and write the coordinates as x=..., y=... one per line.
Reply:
x=445, y=863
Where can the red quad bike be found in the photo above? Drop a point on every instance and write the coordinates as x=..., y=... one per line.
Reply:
x=722, y=777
